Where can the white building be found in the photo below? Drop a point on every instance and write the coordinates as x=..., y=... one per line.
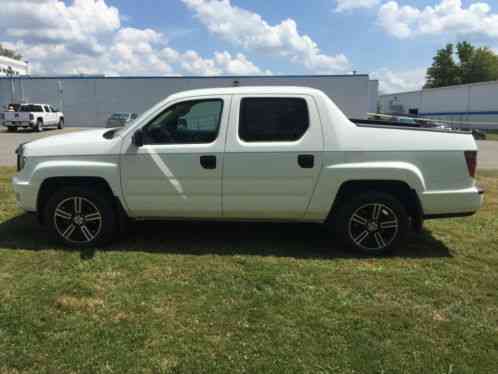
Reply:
x=89, y=100
x=475, y=105
x=9, y=66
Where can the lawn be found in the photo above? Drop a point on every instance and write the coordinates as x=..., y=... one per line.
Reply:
x=492, y=136
x=256, y=298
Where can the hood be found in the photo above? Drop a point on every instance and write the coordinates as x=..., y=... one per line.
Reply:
x=78, y=143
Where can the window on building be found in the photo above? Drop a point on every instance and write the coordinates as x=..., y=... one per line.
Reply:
x=188, y=122
x=273, y=119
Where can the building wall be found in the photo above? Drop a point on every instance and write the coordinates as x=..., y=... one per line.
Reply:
x=475, y=105
x=373, y=95
x=89, y=101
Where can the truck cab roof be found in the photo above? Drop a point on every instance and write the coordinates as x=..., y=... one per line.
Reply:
x=249, y=90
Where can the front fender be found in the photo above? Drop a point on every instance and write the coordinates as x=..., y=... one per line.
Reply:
x=334, y=176
x=37, y=172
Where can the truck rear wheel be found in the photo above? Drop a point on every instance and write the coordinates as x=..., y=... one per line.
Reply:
x=80, y=217
x=373, y=223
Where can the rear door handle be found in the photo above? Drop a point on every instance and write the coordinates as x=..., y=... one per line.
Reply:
x=208, y=162
x=306, y=161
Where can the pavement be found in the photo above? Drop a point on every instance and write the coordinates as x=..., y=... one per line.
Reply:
x=488, y=154
x=488, y=150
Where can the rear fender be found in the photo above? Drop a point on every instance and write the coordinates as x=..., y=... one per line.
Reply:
x=334, y=176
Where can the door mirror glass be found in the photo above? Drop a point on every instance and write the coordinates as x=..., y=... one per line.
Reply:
x=138, y=138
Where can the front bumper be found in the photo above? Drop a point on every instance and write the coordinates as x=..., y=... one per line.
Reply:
x=454, y=203
x=25, y=194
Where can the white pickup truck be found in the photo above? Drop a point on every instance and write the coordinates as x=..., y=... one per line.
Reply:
x=249, y=153
x=33, y=116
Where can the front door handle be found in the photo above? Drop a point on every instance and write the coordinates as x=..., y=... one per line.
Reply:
x=208, y=162
x=306, y=161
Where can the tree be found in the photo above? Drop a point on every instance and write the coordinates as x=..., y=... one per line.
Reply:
x=444, y=71
x=9, y=53
x=473, y=65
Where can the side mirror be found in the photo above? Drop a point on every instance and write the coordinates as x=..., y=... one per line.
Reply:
x=138, y=138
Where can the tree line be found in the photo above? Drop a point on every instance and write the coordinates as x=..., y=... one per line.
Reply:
x=462, y=64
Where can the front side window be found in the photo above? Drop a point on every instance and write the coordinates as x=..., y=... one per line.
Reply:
x=273, y=119
x=47, y=109
x=188, y=122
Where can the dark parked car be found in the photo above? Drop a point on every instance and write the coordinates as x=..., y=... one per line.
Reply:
x=120, y=119
x=478, y=134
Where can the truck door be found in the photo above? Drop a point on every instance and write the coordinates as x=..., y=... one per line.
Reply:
x=48, y=117
x=177, y=172
x=273, y=157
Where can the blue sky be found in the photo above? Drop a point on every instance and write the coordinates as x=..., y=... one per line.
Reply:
x=391, y=40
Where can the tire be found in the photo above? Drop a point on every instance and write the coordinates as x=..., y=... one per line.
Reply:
x=60, y=125
x=39, y=126
x=81, y=217
x=372, y=223
x=11, y=129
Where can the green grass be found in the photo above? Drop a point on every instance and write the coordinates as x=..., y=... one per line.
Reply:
x=255, y=298
x=492, y=136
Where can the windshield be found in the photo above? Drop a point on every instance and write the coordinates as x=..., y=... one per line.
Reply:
x=145, y=114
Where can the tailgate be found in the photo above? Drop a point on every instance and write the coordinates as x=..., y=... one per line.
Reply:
x=16, y=116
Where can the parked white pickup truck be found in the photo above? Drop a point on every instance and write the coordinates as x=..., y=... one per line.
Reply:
x=260, y=153
x=34, y=116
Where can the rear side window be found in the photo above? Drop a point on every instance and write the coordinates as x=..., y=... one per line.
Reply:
x=273, y=119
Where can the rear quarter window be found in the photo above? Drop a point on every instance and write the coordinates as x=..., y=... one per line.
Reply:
x=31, y=108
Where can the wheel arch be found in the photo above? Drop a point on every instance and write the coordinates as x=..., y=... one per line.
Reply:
x=52, y=184
x=371, y=174
x=401, y=190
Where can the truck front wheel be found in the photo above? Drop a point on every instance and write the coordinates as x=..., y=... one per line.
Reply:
x=373, y=223
x=39, y=126
x=80, y=217
x=60, y=125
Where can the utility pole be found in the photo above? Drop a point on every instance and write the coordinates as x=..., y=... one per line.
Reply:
x=10, y=74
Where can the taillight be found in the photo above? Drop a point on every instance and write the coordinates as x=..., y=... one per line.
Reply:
x=471, y=159
x=31, y=116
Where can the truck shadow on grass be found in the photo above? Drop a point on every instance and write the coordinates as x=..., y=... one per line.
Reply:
x=295, y=240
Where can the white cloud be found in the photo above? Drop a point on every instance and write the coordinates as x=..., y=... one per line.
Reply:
x=238, y=65
x=52, y=21
x=345, y=5
x=86, y=37
x=400, y=81
x=448, y=16
x=250, y=31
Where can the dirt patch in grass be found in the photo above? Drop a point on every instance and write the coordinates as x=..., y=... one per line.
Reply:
x=79, y=304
